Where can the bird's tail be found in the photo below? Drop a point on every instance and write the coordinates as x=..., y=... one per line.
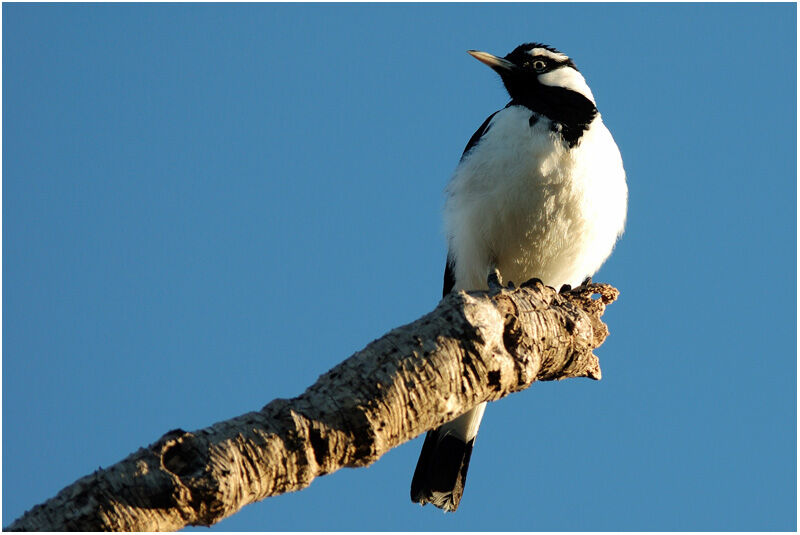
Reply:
x=441, y=471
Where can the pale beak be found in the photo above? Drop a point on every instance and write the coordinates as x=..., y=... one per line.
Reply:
x=492, y=61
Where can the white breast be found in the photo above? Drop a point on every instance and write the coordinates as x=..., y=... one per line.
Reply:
x=522, y=201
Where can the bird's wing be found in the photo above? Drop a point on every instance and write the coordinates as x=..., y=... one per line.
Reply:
x=449, y=276
x=450, y=266
x=476, y=137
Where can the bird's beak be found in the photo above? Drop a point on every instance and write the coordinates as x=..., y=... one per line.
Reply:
x=492, y=61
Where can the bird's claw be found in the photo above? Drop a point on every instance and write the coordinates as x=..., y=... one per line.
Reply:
x=494, y=281
x=567, y=288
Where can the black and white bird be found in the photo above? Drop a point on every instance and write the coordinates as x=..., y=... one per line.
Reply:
x=539, y=192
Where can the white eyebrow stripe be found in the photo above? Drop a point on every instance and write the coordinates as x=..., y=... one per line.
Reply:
x=544, y=52
x=568, y=78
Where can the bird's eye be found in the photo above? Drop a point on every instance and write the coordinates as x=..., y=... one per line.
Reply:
x=539, y=65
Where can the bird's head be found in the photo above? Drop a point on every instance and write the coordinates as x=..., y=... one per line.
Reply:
x=532, y=68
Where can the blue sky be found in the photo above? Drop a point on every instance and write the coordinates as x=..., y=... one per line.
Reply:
x=207, y=206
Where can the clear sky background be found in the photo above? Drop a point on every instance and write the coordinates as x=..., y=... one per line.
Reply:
x=205, y=207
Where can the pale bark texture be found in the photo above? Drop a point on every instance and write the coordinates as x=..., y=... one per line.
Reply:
x=473, y=347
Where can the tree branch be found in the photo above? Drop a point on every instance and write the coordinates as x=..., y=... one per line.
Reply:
x=473, y=347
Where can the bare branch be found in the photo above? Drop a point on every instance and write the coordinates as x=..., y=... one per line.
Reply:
x=473, y=347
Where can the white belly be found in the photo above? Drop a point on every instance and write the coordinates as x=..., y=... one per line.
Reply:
x=522, y=201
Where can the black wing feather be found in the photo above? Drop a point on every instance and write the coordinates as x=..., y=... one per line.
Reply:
x=478, y=134
x=450, y=266
x=449, y=276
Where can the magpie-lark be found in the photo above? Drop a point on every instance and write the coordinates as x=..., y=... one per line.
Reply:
x=539, y=192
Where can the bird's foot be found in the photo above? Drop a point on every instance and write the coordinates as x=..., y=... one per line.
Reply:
x=494, y=281
x=530, y=283
x=567, y=288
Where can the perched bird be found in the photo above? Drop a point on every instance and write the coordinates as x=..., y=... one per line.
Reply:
x=539, y=192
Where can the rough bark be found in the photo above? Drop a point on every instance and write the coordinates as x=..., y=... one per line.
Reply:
x=473, y=347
